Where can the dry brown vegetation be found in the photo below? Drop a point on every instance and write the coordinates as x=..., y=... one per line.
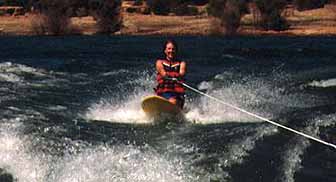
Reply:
x=311, y=22
x=320, y=21
x=173, y=25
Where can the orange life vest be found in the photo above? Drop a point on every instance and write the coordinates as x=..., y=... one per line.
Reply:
x=172, y=68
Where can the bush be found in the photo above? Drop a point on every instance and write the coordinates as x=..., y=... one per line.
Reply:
x=216, y=28
x=12, y=3
x=199, y=2
x=275, y=22
x=159, y=7
x=81, y=12
x=138, y=2
x=184, y=9
x=271, y=18
x=179, y=7
x=229, y=12
x=216, y=7
x=10, y=11
x=131, y=10
x=57, y=21
x=38, y=25
x=309, y=4
x=108, y=16
x=53, y=19
x=146, y=11
x=231, y=17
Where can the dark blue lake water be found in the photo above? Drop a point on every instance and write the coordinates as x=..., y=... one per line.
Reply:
x=70, y=110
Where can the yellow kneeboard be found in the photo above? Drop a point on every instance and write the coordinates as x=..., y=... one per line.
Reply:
x=155, y=105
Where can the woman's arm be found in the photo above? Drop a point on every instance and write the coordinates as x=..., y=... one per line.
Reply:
x=159, y=68
x=183, y=68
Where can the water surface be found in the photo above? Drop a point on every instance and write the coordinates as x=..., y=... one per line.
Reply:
x=70, y=110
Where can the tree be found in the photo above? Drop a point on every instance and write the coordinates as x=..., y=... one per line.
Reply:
x=309, y=4
x=159, y=7
x=271, y=18
x=229, y=13
x=107, y=14
x=53, y=18
x=216, y=7
x=13, y=2
x=234, y=10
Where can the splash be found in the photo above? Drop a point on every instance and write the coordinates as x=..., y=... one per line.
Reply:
x=15, y=158
x=18, y=69
x=23, y=75
x=83, y=162
x=238, y=150
x=324, y=83
x=255, y=95
x=293, y=154
x=119, y=163
x=124, y=109
x=128, y=111
x=10, y=77
x=207, y=111
x=234, y=153
x=115, y=73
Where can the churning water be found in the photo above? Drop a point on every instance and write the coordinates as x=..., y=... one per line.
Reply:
x=70, y=110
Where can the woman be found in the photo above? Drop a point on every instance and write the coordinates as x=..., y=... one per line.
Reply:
x=170, y=75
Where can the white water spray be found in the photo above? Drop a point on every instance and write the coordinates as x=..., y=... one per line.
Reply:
x=293, y=156
x=118, y=163
x=15, y=158
x=260, y=117
x=324, y=83
x=125, y=110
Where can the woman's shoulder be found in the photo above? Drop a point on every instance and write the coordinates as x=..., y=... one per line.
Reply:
x=161, y=60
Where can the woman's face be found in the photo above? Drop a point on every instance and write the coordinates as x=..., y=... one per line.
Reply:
x=170, y=51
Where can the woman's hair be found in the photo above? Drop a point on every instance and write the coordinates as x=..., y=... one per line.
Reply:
x=172, y=42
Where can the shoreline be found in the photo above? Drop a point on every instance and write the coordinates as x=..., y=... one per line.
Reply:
x=312, y=23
